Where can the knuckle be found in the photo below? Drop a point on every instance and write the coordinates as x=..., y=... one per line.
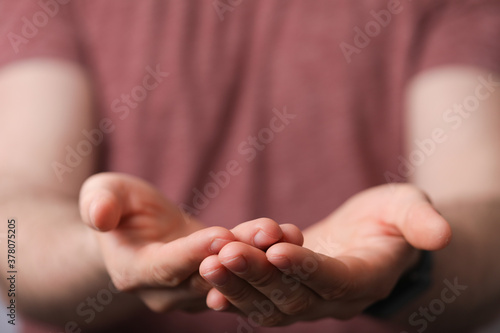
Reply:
x=336, y=292
x=121, y=284
x=239, y=295
x=296, y=305
x=122, y=281
x=198, y=285
x=163, y=276
x=331, y=294
x=264, y=280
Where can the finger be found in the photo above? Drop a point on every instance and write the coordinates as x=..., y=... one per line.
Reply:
x=168, y=264
x=251, y=265
x=217, y=301
x=421, y=225
x=264, y=232
x=330, y=278
x=425, y=228
x=260, y=233
x=188, y=296
x=292, y=234
x=239, y=293
x=106, y=197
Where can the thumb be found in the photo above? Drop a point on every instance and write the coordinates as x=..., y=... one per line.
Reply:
x=106, y=197
x=423, y=227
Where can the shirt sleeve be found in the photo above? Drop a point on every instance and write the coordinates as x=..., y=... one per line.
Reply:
x=465, y=32
x=41, y=28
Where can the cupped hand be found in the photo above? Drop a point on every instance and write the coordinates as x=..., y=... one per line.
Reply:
x=350, y=260
x=151, y=248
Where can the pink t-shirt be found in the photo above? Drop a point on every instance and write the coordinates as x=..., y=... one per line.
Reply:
x=242, y=109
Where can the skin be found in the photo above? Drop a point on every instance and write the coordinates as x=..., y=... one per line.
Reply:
x=367, y=250
x=138, y=225
x=373, y=236
x=108, y=221
x=60, y=219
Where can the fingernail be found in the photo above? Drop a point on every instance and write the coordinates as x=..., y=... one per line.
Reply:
x=217, y=277
x=261, y=239
x=280, y=262
x=92, y=208
x=237, y=264
x=220, y=308
x=217, y=245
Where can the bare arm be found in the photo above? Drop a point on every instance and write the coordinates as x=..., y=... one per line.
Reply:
x=462, y=176
x=44, y=106
x=145, y=244
x=354, y=257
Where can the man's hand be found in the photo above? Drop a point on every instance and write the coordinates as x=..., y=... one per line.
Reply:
x=350, y=260
x=151, y=248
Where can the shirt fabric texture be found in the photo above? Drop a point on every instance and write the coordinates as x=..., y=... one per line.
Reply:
x=263, y=112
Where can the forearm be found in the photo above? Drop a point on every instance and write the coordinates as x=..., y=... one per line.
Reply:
x=465, y=290
x=462, y=179
x=45, y=104
x=59, y=265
